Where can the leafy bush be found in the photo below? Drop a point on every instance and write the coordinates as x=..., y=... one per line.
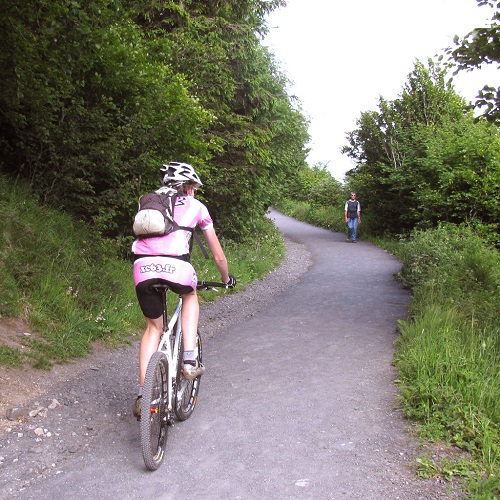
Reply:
x=66, y=282
x=96, y=95
x=452, y=265
x=448, y=354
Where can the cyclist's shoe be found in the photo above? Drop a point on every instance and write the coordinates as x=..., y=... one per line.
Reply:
x=191, y=371
x=137, y=408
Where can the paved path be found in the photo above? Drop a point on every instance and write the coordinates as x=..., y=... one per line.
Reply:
x=298, y=401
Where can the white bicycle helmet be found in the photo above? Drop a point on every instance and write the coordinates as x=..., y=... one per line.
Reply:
x=175, y=174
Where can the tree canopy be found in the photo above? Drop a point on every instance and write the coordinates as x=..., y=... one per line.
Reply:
x=481, y=47
x=94, y=97
x=422, y=158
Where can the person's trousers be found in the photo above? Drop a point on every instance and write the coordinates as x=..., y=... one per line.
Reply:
x=352, y=227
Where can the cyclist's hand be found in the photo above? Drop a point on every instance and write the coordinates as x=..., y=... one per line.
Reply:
x=232, y=282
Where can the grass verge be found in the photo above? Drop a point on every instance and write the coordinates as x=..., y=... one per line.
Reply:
x=71, y=287
x=448, y=353
x=327, y=217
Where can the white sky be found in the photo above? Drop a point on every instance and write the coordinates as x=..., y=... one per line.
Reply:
x=341, y=55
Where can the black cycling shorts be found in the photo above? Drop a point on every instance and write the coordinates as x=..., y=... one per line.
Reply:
x=150, y=300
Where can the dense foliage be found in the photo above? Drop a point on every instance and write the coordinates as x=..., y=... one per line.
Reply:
x=448, y=352
x=63, y=282
x=69, y=287
x=95, y=96
x=478, y=48
x=313, y=195
x=422, y=158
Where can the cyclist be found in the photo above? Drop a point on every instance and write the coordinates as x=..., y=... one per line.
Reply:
x=166, y=259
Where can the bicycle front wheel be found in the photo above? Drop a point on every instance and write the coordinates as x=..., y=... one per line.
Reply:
x=186, y=393
x=154, y=415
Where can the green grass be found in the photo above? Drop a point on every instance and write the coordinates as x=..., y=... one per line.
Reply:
x=327, y=217
x=73, y=289
x=10, y=356
x=448, y=353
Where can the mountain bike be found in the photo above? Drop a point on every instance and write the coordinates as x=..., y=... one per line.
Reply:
x=167, y=393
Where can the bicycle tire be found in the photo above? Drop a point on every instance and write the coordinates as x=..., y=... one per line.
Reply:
x=154, y=417
x=186, y=393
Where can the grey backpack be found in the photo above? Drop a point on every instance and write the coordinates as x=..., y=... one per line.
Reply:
x=155, y=216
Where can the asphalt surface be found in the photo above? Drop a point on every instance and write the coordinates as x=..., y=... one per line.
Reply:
x=298, y=402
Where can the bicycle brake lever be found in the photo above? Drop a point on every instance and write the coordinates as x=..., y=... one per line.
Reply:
x=205, y=287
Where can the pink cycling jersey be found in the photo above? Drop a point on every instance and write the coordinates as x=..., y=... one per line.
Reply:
x=189, y=212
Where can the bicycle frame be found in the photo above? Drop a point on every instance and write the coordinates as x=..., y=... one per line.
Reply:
x=169, y=345
x=162, y=398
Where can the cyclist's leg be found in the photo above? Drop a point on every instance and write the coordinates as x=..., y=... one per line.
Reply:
x=192, y=367
x=189, y=320
x=151, y=303
x=149, y=344
x=187, y=387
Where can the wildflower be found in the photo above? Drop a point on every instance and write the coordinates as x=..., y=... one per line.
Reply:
x=100, y=316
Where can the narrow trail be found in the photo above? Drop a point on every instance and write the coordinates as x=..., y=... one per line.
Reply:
x=298, y=402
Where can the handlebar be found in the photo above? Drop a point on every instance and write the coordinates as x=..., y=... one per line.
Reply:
x=207, y=285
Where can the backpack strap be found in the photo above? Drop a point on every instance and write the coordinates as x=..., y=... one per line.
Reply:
x=189, y=229
x=183, y=228
x=200, y=244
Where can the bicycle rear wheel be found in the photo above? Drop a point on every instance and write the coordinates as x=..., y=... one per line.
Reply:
x=186, y=393
x=154, y=416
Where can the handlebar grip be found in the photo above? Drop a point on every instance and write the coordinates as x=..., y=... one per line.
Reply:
x=209, y=284
x=205, y=285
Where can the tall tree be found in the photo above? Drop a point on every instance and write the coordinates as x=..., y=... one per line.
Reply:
x=421, y=158
x=478, y=48
x=95, y=95
x=259, y=132
x=83, y=108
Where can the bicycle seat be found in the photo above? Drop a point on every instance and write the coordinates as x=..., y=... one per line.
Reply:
x=160, y=287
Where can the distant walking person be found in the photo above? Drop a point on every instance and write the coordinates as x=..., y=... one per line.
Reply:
x=352, y=213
